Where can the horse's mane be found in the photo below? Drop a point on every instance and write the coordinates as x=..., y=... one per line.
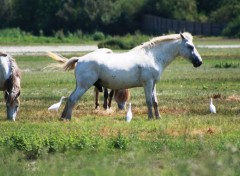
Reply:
x=15, y=73
x=157, y=40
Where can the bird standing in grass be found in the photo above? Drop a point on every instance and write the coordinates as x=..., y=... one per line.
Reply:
x=212, y=107
x=129, y=113
x=56, y=106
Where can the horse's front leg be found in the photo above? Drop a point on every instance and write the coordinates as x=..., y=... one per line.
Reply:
x=155, y=102
x=148, y=88
x=76, y=94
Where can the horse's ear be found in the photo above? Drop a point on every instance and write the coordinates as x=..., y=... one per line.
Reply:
x=182, y=36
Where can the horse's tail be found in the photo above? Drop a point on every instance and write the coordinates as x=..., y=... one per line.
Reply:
x=56, y=57
x=69, y=64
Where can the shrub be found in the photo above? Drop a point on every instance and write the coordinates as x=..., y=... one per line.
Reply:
x=98, y=36
x=126, y=42
x=13, y=33
x=226, y=65
x=59, y=34
x=119, y=142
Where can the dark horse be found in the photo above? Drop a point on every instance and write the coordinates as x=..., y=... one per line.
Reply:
x=120, y=96
x=10, y=84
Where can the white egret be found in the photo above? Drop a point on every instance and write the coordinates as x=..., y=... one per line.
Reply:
x=56, y=106
x=129, y=113
x=212, y=107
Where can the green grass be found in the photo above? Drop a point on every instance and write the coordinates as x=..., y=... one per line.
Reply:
x=188, y=140
x=15, y=36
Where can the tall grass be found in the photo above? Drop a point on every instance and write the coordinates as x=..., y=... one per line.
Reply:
x=15, y=36
x=188, y=140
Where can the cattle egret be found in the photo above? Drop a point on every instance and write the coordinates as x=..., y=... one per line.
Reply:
x=56, y=106
x=212, y=107
x=129, y=113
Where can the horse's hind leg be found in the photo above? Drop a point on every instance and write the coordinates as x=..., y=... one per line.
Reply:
x=96, y=98
x=105, y=104
x=76, y=94
x=155, y=103
x=110, y=98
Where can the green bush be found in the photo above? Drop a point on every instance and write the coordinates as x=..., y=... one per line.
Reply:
x=125, y=42
x=98, y=36
x=13, y=33
x=119, y=142
x=227, y=65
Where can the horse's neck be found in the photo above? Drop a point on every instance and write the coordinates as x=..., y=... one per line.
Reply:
x=5, y=70
x=165, y=53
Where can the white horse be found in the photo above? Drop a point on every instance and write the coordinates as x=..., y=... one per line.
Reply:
x=140, y=67
x=10, y=84
x=120, y=96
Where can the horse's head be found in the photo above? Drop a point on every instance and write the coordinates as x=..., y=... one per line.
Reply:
x=12, y=104
x=189, y=51
x=121, y=97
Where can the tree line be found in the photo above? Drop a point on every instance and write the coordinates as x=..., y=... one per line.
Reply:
x=41, y=17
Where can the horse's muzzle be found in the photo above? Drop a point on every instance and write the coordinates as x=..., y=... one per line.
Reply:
x=197, y=63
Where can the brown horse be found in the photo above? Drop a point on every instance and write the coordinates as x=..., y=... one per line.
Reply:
x=10, y=84
x=120, y=96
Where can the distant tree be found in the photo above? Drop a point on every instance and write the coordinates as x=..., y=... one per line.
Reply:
x=233, y=28
x=184, y=9
x=5, y=12
x=36, y=15
x=108, y=16
x=206, y=6
x=227, y=11
x=123, y=17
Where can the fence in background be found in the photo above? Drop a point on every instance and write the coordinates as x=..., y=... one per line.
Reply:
x=158, y=25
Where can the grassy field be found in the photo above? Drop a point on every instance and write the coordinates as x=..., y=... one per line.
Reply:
x=188, y=140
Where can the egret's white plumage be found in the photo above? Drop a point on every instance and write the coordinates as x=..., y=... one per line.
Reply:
x=56, y=106
x=129, y=113
x=212, y=107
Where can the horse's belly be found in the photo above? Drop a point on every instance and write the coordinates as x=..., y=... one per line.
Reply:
x=120, y=85
x=120, y=82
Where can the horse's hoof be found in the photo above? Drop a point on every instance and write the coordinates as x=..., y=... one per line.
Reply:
x=64, y=119
x=105, y=107
x=97, y=107
x=150, y=118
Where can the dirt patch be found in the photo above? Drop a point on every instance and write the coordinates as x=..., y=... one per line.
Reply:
x=235, y=98
x=193, y=132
